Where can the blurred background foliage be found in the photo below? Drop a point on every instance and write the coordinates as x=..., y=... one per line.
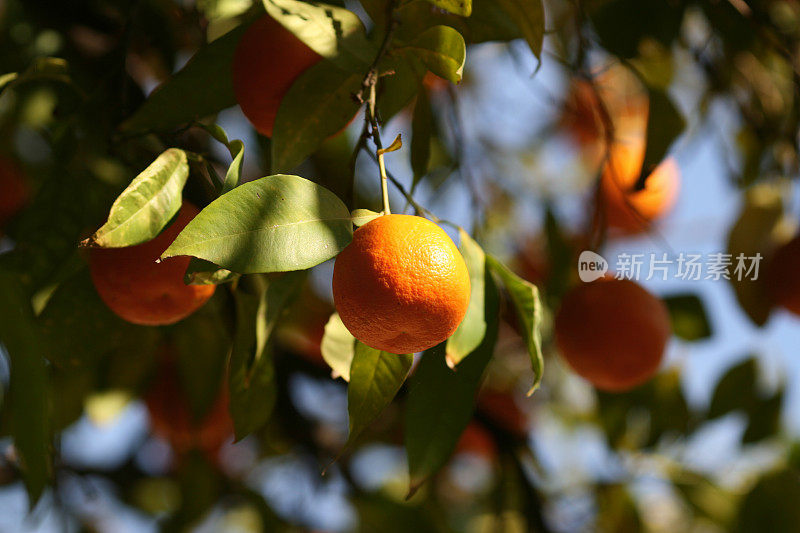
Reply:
x=509, y=153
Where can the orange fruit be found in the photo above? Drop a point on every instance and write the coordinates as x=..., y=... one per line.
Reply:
x=142, y=291
x=401, y=285
x=612, y=332
x=502, y=409
x=267, y=60
x=14, y=192
x=781, y=281
x=630, y=210
x=477, y=441
x=622, y=95
x=171, y=417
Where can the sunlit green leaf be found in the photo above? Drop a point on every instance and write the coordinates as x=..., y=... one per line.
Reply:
x=363, y=216
x=472, y=329
x=442, y=50
x=525, y=297
x=375, y=378
x=272, y=224
x=202, y=272
x=147, y=205
x=338, y=347
x=331, y=31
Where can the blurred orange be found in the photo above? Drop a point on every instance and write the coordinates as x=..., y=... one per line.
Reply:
x=630, y=210
x=171, y=417
x=478, y=441
x=613, y=333
x=14, y=191
x=623, y=98
x=781, y=280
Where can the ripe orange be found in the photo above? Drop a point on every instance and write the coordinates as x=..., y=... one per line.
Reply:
x=171, y=417
x=612, y=332
x=14, y=191
x=401, y=285
x=781, y=279
x=632, y=210
x=142, y=291
x=268, y=59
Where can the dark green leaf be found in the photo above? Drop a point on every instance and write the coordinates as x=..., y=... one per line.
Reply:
x=735, y=390
x=202, y=343
x=525, y=297
x=41, y=69
x=756, y=231
x=457, y=7
x=201, y=88
x=764, y=418
x=472, y=329
x=664, y=124
x=396, y=91
x=251, y=375
x=272, y=224
x=688, y=317
x=623, y=24
x=333, y=32
x=771, y=505
x=28, y=392
x=146, y=206
x=441, y=401
x=319, y=104
x=236, y=147
x=529, y=18
x=421, y=131
x=80, y=328
x=375, y=378
x=442, y=49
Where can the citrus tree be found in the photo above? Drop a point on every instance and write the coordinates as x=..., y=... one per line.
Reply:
x=374, y=245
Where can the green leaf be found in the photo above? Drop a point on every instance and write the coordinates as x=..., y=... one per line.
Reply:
x=28, y=391
x=236, y=147
x=363, y=216
x=82, y=330
x=421, y=131
x=529, y=18
x=764, y=418
x=202, y=272
x=771, y=505
x=41, y=69
x=145, y=207
x=457, y=7
x=760, y=228
x=441, y=401
x=398, y=90
x=338, y=347
x=202, y=343
x=664, y=124
x=736, y=390
x=318, y=105
x=272, y=224
x=333, y=32
x=375, y=378
x=525, y=297
x=688, y=317
x=251, y=379
x=201, y=88
x=623, y=24
x=472, y=329
x=442, y=50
